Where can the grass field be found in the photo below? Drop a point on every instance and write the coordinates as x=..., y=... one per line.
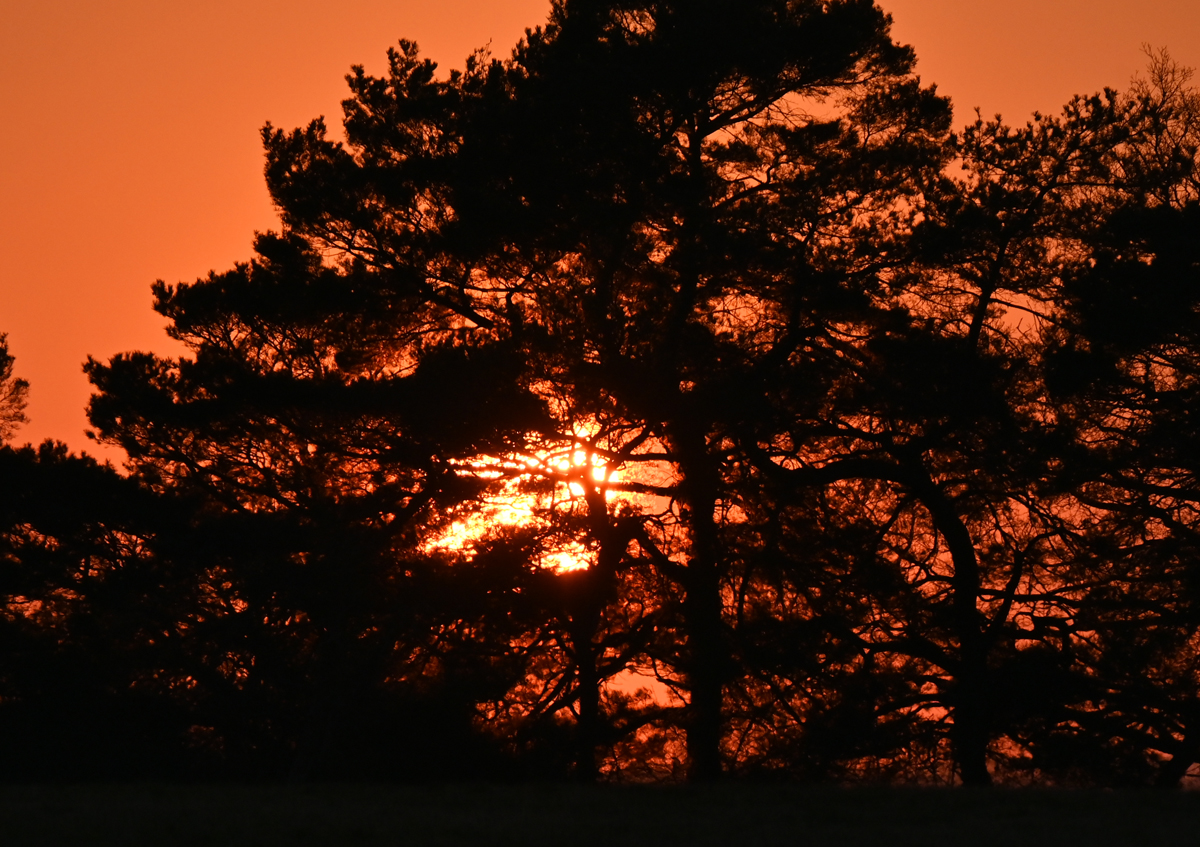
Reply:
x=564, y=816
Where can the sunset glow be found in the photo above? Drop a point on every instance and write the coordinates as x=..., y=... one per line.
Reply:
x=646, y=392
x=566, y=473
x=170, y=185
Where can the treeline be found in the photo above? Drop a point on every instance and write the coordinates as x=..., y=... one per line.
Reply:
x=680, y=397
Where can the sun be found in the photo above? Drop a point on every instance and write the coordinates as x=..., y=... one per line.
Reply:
x=566, y=473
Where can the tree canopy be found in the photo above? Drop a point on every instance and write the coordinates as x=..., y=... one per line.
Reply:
x=678, y=398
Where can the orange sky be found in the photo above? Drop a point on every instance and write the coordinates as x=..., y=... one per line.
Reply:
x=132, y=149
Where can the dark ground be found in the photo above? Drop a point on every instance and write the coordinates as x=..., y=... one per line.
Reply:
x=562, y=816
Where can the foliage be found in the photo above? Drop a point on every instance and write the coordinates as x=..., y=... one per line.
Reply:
x=13, y=393
x=678, y=397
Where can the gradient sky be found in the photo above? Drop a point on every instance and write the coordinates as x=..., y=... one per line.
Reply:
x=132, y=150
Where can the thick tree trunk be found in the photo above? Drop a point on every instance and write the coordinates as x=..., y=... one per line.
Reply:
x=587, y=726
x=594, y=588
x=702, y=611
x=334, y=669
x=316, y=729
x=969, y=736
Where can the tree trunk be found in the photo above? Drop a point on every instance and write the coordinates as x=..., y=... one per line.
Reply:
x=702, y=610
x=587, y=725
x=969, y=736
x=316, y=729
x=593, y=587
